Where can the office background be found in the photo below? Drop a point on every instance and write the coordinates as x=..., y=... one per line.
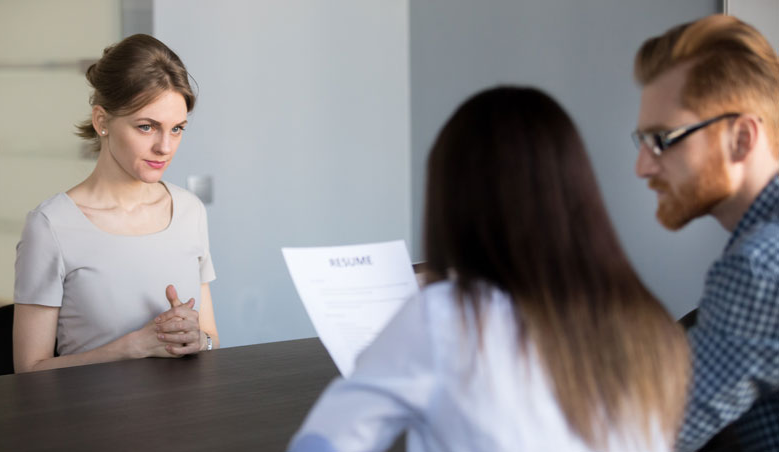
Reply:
x=315, y=118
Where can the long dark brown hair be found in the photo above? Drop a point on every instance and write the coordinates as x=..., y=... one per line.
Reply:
x=512, y=202
x=132, y=73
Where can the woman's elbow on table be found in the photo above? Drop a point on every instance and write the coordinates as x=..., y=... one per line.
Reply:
x=34, y=335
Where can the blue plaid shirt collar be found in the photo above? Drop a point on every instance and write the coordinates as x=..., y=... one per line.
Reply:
x=762, y=208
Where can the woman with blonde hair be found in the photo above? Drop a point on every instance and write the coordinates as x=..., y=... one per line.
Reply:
x=534, y=332
x=99, y=266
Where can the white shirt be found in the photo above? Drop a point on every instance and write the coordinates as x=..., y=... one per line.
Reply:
x=425, y=373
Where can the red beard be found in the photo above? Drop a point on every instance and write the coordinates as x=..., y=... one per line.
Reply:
x=693, y=198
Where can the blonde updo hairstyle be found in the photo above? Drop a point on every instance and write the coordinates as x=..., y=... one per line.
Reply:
x=130, y=75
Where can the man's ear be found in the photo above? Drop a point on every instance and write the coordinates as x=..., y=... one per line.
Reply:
x=745, y=136
x=100, y=120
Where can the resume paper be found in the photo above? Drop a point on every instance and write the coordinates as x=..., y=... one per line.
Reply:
x=351, y=292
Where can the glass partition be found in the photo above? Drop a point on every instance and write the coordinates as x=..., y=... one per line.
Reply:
x=45, y=47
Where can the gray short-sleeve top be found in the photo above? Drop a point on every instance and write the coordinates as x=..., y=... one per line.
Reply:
x=108, y=285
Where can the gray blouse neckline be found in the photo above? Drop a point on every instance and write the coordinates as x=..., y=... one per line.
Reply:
x=82, y=217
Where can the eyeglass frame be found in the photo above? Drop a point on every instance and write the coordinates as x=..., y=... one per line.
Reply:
x=659, y=142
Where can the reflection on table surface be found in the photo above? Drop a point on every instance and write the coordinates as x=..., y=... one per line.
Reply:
x=240, y=398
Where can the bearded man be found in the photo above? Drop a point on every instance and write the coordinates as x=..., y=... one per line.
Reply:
x=708, y=144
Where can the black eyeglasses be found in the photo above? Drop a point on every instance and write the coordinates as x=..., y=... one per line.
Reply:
x=660, y=141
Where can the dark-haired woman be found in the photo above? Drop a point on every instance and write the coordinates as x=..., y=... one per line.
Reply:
x=99, y=267
x=534, y=334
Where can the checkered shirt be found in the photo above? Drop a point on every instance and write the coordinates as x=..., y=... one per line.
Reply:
x=735, y=341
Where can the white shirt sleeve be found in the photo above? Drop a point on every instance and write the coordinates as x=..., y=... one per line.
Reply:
x=40, y=270
x=390, y=390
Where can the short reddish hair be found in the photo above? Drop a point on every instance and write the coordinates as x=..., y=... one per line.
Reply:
x=732, y=68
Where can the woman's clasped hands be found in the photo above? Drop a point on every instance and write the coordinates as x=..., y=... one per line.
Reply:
x=174, y=333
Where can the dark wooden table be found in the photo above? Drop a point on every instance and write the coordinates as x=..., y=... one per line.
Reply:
x=242, y=398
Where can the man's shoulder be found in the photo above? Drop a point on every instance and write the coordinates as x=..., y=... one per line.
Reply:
x=756, y=250
x=741, y=294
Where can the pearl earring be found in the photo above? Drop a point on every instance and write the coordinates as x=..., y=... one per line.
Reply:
x=103, y=131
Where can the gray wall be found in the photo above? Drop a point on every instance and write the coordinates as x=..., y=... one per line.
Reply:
x=302, y=121
x=581, y=52
x=762, y=14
